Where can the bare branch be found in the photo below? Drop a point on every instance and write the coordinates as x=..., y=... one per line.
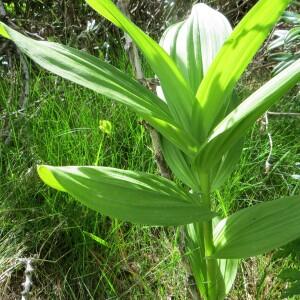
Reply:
x=283, y=114
x=135, y=61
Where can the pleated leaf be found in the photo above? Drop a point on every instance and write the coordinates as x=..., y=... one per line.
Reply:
x=129, y=196
x=175, y=87
x=194, y=43
x=258, y=229
x=233, y=59
x=236, y=124
x=88, y=71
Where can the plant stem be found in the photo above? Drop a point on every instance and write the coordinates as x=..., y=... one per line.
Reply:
x=211, y=263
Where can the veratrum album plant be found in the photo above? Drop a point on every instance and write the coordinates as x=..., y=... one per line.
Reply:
x=202, y=126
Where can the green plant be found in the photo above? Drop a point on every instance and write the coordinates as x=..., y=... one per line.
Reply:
x=284, y=49
x=202, y=125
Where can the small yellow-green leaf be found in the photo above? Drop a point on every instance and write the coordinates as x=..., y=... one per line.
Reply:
x=105, y=126
x=3, y=32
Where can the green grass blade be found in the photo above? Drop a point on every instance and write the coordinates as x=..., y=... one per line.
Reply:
x=176, y=90
x=97, y=239
x=258, y=229
x=130, y=196
x=235, y=125
x=233, y=59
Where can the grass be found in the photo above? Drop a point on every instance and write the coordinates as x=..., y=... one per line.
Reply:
x=61, y=127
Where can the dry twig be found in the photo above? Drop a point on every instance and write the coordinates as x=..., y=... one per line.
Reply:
x=135, y=61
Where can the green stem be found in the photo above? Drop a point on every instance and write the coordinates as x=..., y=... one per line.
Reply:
x=211, y=263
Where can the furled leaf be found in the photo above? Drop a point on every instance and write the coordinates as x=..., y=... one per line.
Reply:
x=232, y=60
x=175, y=87
x=130, y=196
x=258, y=229
x=228, y=270
x=194, y=43
x=179, y=164
x=88, y=71
x=105, y=126
x=235, y=125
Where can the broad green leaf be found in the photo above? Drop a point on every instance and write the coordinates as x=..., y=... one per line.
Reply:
x=235, y=125
x=194, y=43
x=258, y=229
x=88, y=71
x=130, y=196
x=232, y=60
x=175, y=87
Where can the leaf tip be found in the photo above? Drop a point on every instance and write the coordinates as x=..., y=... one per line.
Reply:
x=46, y=174
x=3, y=31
